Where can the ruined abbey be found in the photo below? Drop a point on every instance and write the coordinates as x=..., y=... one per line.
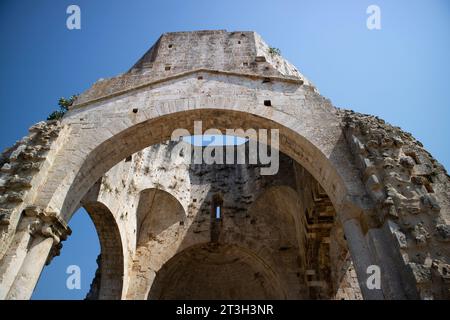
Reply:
x=353, y=195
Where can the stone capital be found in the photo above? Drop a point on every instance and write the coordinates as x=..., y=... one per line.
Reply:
x=47, y=223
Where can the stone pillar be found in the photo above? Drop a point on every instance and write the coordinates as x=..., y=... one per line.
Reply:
x=361, y=257
x=140, y=285
x=397, y=281
x=14, y=257
x=38, y=240
x=31, y=269
x=141, y=276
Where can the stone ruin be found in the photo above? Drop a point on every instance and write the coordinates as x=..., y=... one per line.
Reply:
x=351, y=192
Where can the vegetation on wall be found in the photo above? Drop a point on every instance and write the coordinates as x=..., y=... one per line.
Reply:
x=64, y=105
x=274, y=51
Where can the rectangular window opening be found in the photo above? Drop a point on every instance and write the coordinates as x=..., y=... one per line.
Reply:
x=218, y=212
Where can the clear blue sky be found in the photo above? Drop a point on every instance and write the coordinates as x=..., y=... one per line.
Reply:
x=399, y=73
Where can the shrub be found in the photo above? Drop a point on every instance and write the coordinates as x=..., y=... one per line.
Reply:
x=274, y=51
x=64, y=105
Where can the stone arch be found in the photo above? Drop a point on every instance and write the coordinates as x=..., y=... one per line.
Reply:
x=310, y=133
x=160, y=216
x=333, y=169
x=157, y=211
x=219, y=272
x=108, y=281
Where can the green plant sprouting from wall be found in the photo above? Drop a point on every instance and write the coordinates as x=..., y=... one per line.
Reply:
x=274, y=51
x=64, y=105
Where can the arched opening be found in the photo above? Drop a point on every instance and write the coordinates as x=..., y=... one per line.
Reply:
x=327, y=163
x=157, y=212
x=215, y=272
x=287, y=219
x=160, y=219
x=69, y=275
x=333, y=169
x=108, y=281
x=219, y=140
x=91, y=262
x=275, y=225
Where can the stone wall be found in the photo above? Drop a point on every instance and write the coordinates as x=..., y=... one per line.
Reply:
x=410, y=191
x=349, y=287
x=176, y=53
x=23, y=166
x=165, y=207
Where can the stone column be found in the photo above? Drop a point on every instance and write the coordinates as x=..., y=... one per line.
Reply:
x=141, y=276
x=31, y=269
x=44, y=231
x=14, y=257
x=361, y=257
x=397, y=280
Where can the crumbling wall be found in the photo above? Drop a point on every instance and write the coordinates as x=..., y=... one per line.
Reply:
x=411, y=195
x=22, y=168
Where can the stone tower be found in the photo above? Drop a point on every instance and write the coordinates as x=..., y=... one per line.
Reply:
x=352, y=193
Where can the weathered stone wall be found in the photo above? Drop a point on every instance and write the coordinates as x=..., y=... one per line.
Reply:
x=26, y=230
x=178, y=53
x=165, y=206
x=19, y=171
x=410, y=190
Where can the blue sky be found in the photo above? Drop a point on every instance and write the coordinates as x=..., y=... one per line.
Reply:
x=399, y=73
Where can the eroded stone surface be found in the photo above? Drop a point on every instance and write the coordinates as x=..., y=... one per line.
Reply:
x=411, y=194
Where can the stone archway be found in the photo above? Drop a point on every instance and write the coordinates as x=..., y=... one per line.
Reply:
x=158, y=221
x=108, y=281
x=216, y=272
x=333, y=169
x=90, y=146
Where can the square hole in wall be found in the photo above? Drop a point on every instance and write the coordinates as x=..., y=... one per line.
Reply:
x=267, y=103
x=167, y=68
